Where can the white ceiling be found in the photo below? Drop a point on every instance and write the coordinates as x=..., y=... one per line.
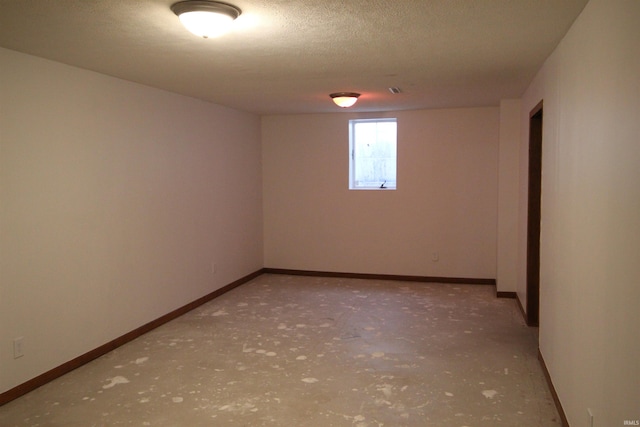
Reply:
x=286, y=56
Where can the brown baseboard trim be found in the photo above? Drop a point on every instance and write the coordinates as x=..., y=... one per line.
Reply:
x=522, y=311
x=503, y=294
x=69, y=366
x=429, y=279
x=556, y=399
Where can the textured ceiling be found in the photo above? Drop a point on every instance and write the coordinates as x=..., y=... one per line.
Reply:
x=286, y=56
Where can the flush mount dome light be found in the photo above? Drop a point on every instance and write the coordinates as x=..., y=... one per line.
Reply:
x=206, y=18
x=344, y=99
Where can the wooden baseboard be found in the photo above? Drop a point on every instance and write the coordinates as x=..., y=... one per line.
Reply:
x=556, y=399
x=504, y=294
x=524, y=313
x=430, y=279
x=69, y=366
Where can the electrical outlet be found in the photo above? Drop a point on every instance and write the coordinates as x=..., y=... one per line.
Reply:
x=213, y=267
x=435, y=256
x=18, y=347
x=589, y=418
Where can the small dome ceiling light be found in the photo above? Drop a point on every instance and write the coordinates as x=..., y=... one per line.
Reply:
x=206, y=18
x=344, y=99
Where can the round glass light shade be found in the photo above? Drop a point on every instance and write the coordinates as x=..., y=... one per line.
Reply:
x=206, y=18
x=344, y=99
x=206, y=24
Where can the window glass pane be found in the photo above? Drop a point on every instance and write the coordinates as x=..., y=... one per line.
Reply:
x=373, y=148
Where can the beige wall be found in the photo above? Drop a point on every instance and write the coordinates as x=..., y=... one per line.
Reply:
x=446, y=201
x=508, y=195
x=590, y=238
x=115, y=201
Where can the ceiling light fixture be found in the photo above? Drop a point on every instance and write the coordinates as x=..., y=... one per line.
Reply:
x=344, y=99
x=206, y=18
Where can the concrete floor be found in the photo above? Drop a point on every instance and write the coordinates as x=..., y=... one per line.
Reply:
x=314, y=352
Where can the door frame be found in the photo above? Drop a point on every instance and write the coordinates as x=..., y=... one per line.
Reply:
x=534, y=214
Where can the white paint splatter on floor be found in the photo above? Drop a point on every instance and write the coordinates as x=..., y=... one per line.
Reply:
x=386, y=389
x=115, y=381
x=489, y=394
x=222, y=312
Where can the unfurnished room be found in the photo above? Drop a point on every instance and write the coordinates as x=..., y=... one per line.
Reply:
x=309, y=213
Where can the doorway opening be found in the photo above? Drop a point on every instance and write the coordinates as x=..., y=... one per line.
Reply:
x=534, y=216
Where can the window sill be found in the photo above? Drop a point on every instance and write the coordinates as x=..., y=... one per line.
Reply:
x=373, y=189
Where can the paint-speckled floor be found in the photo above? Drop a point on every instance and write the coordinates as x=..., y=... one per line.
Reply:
x=314, y=352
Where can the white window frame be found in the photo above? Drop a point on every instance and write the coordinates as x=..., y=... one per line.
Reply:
x=353, y=183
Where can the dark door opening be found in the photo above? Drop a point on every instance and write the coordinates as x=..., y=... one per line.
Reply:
x=533, y=216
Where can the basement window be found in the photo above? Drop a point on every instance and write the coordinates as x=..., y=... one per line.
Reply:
x=372, y=154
